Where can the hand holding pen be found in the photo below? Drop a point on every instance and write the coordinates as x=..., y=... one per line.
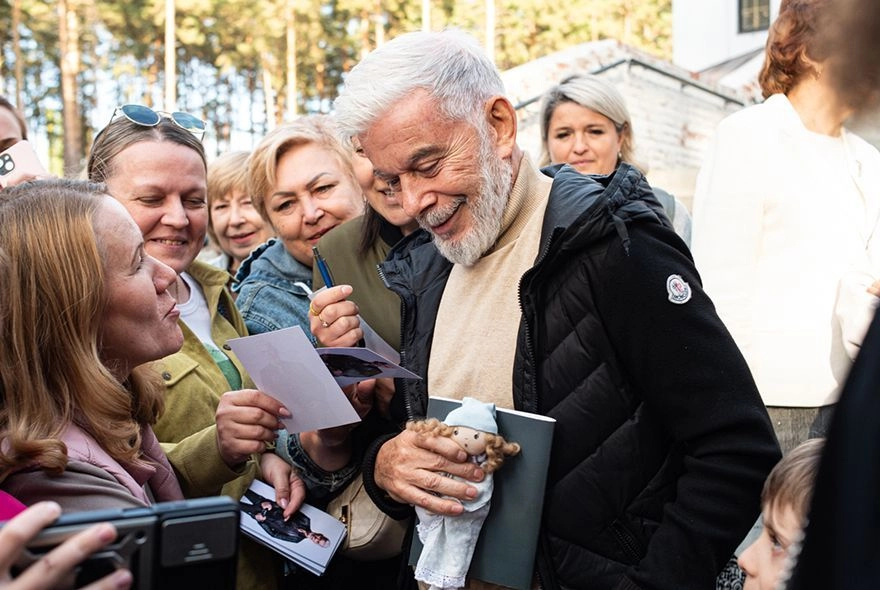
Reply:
x=333, y=319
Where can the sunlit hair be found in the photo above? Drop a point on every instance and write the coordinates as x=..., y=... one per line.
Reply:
x=594, y=93
x=854, y=32
x=226, y=174
x=790, y=483
x=263, y=163
x=795, y=37
x=450, y=65
x=497, y=448
x=121, y=134
x=51, y=309
x=4, y=103
x=371, y=227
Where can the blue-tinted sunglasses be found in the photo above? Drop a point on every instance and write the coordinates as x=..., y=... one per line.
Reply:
x=141, y=115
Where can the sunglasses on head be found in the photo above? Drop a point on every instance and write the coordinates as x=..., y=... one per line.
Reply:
x=147, y=117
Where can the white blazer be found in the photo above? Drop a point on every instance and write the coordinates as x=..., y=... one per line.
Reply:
x=781, y=216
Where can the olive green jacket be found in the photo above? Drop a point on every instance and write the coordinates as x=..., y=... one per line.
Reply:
x=188, y=430
x=194, y=384
x=378, y=306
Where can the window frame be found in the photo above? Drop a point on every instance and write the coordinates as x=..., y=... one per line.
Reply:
x=753, y=7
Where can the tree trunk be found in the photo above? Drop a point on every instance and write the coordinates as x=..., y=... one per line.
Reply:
x=152, y=73
x=290, y=56
x=268, y=92
x=426, y=15
x=365, y=33
x=19, y=59
x=223, y=132
x=379, y=17
x=490, y=30
x=68, y=41
x=252, y=93
x=626, y=36
x=170, y=58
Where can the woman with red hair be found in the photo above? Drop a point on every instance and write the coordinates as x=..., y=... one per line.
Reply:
x=785, y=210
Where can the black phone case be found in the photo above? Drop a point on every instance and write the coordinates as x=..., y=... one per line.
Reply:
x=171, y=545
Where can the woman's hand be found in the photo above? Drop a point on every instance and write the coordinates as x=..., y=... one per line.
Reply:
x=361, y=395
x=383, y=394
x=59, y=565
x=330, y=448
x=334, y=320
x=246, y=420
x=290, y=490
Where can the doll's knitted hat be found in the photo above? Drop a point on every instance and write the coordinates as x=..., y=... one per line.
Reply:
x=473, y=414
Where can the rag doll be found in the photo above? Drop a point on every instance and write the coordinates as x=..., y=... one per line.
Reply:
x=449, y=541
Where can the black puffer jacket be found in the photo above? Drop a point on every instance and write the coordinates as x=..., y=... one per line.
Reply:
x=662, y=443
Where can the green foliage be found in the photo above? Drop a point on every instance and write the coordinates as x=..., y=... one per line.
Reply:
x=227, y=48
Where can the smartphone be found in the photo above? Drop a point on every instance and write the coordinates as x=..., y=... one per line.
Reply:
x=168, y=546
x=19, y=163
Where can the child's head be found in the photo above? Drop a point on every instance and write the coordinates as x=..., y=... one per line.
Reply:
x=785, y=500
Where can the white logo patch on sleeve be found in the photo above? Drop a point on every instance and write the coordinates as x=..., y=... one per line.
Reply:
x=679, y=291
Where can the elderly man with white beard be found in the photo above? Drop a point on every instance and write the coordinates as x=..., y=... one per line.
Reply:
x=560, y=294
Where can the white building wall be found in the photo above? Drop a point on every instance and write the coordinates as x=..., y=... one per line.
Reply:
x=705, y=32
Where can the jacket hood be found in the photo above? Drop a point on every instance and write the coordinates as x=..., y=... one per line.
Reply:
x=585, y=208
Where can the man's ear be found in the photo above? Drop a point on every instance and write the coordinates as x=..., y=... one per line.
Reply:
x=502, y=118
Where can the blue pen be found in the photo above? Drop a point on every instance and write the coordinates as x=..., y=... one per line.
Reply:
x=327, y=277
x=322, y=267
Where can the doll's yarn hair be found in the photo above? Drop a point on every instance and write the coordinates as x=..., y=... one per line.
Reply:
x=497, y=448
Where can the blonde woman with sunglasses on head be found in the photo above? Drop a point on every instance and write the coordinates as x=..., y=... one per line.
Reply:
x=156, y=167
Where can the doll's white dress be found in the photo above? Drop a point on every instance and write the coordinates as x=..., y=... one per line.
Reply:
x=449, y=541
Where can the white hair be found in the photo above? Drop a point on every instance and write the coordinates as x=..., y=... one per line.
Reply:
x=450, y=65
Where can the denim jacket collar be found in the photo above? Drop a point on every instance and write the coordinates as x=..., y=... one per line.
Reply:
x=272, y=263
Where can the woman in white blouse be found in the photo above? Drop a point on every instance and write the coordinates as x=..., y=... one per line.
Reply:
x=785, y=214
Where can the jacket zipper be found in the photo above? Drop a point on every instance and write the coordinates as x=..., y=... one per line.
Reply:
x=543, y=564
x=407, y=404
x=530, y=347
x=626, y=541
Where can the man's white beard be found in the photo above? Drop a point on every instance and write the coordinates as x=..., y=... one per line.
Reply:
x=486, y=210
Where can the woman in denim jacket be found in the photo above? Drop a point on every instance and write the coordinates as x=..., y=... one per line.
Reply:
x=301, y=182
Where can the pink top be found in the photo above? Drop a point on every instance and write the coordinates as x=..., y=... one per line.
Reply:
x=155, y=472
x=9, y=506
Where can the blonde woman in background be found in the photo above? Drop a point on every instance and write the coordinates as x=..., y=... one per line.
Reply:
x=301, y=181
x=234, y=225
x=585, y=123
